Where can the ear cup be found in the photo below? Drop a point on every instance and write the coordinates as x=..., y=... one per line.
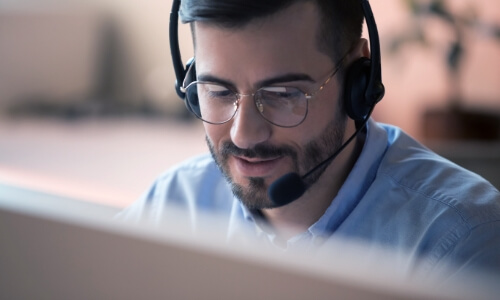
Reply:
x=190, y=96
x=184, y=72
x=356, y=84
x=190, y=71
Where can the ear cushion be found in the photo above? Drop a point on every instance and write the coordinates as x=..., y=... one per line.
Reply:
x=356, y=83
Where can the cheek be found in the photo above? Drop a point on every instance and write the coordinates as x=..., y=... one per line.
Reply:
x=217, y=133
x=314, y=124
x=323, y=110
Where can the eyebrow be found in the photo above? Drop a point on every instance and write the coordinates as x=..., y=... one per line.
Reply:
x=285, y=78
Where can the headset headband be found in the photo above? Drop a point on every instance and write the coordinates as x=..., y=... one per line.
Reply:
x=180, y=71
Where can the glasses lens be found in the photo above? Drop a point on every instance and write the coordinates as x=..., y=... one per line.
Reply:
x=210, y=102
x=282, y=106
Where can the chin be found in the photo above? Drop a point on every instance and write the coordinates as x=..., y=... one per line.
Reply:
x=253, y=194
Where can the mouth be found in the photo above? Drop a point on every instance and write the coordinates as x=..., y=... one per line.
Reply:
x=256, y=167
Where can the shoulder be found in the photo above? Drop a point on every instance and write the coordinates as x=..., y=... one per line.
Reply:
x=451, y=214
x=195, y=169
x=417, y=170
x=194, y=185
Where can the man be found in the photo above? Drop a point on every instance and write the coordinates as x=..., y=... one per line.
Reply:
x=269, y=83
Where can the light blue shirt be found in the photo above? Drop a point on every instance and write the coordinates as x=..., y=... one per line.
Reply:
x=398, y=195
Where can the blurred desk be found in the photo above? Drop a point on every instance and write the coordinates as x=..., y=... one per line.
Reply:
x=110, y=161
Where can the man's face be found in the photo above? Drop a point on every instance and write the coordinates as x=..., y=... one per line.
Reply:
x=251, y=152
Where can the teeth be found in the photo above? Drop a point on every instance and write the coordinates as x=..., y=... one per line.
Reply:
x=253, y=161
x=257, y=161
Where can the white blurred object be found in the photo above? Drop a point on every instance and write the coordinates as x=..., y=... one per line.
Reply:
x=54, y=248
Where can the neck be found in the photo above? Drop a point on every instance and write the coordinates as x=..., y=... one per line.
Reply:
x=298, y=216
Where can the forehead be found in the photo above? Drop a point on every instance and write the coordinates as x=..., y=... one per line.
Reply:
x=284, y=42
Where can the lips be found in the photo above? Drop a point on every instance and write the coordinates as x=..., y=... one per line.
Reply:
x=256, y=167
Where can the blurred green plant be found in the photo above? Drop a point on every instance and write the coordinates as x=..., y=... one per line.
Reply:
x=461, y=23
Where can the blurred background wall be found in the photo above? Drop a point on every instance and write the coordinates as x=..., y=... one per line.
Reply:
x=114, y=55
x=86, y=56
x=88, y=59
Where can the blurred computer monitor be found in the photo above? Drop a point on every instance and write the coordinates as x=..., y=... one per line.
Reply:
x=57, y=248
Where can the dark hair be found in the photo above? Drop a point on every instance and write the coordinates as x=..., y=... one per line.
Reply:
x=341, y=20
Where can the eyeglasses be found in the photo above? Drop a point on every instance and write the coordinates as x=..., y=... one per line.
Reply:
x=282, y=106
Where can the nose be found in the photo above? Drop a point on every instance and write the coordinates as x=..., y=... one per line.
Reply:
x=249, y=128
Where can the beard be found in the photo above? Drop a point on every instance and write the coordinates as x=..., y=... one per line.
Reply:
x=254, y=194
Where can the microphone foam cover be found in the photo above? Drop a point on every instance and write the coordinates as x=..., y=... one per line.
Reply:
x=286, y=189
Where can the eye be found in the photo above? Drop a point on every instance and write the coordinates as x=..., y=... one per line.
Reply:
x=216, y=91
x=281, y=93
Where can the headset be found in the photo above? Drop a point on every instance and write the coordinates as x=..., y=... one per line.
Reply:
x=363, y=87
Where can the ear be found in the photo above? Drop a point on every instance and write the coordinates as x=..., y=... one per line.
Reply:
x=360, y=49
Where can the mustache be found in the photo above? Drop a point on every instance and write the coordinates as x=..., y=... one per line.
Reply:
x=259, y=151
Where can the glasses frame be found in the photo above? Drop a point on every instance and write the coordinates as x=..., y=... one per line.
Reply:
x=239, y=96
